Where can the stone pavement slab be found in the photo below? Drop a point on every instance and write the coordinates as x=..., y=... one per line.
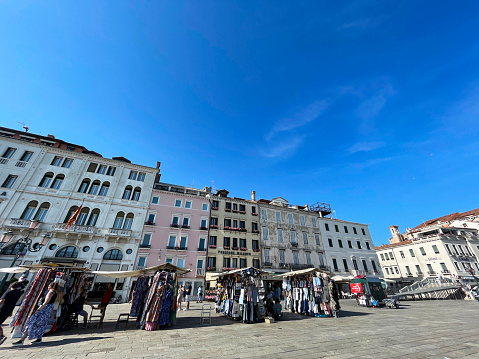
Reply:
x=428, y=329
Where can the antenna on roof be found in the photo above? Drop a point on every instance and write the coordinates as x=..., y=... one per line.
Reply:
x=192, y=185
x=25, y=127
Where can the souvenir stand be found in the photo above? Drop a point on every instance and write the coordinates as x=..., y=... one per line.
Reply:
x=154, y=294
x=71, y=281
x=368, y=290
x=310, y=292
x=239, y=295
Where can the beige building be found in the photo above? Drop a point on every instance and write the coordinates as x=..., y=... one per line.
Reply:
x=233, y=234
x=447, y=246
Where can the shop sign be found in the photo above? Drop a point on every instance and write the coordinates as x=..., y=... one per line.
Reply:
x=239, y=253
x=356, y=287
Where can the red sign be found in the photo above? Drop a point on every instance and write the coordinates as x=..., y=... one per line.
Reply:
x=356, y=287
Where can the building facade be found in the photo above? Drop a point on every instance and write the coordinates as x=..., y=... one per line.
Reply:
x=349, y=249
x=234, y=240
x=430, y=250
x=290, y=236
x=176, y=231
x=46, y=179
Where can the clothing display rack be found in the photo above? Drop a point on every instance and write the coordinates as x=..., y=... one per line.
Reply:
x=310, y=292
x=238, y=295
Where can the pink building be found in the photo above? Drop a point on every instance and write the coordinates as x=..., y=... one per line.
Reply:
x=176, y=231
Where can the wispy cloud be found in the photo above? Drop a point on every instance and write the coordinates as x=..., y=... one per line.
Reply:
x=365, y=146
x=284, y=148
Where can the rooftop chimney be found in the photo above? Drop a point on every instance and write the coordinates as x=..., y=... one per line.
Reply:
x=306, y=208
x=50, y=136
x=253, y=195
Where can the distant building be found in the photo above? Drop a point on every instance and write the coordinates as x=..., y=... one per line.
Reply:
x=234, y=234
x=176, y=231
x=447, y=246
x=290, y=236
x=46, y=179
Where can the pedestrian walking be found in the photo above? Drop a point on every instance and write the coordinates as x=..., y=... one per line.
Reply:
x=199, y=299
x=7, y=302
x=105, y=300
x=37, y=323
x=179, y=300
x=187, y=292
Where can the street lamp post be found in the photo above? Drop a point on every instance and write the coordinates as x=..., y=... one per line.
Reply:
x=24, y=242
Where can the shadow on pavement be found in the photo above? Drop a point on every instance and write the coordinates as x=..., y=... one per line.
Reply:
x=52, y=343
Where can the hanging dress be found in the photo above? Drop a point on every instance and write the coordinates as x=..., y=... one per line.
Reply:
x=37, y=323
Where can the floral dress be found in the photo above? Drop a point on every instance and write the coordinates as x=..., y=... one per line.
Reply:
x=37, y=323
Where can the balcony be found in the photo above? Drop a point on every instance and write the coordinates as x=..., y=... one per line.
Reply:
x=226, y=247
x=242, y=212
x=203, y=228
x=177, y=248
x=267, y=264
x=227, y=209
x=170, y=247
x=200, y=272
x=255, y=231
x=149, y=223
x=3, y=161
x=235, y=211
x=243, y=249
x=212, y=245
x=23, y=223
x=120, y=232
x=174, y=225
x=20, y=164
x=145, y=246
x=256, y=249
x=214, y=208
x=185, y=226
x=62, y=227
x=294, y=244
x=213, y=226
x=254, y=214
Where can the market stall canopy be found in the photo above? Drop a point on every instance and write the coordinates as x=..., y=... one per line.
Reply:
x=238, y=271
x=37, y=267
x=302, y=272
x=387, y=280
x=342, y=278
x=13, y=270
x=136, y=273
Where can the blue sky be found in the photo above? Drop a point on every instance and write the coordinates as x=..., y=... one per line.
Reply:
x=370, y=106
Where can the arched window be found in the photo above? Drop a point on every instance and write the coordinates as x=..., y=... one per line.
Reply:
x=95, y=186
x=128, y=221
x=13, y=249
x=58, y=181
x=70, y=213
x=119, y=220
x=136, y=194
x=46, y=180
x=81, y=219
x=93, y=217
x=30, y=210
x=113, y=255
x=84, y=185
x=42, y=211
x=104, y=189
x=127, y=193
x=67, y=252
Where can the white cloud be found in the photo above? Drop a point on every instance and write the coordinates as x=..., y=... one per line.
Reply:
x=365, y=146
x=284, y=147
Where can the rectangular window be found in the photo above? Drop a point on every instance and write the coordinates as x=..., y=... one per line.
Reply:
x=101, y=170
x=265, y=234
x=382, y=256
x=335, y=265
x=242, y=242
x=57, y=161
x=151, y=218
x=386, y=256
x=346, y=229
x=188, y=204
x=255, y=244
x=359, y=244
x=326, y=226
x=350, y=244
x=227, y=222
x=180, y=262
x=434, y=248
x=9, y=152
x=242, y=224
x=355, y=264
x=387, y=271
x=10, y=181
x=228, y=206
x=365, y=265
x=402, y=254
x=293, y=237
x=368, y=246
x=175, y=220
x=429, y=268
x=183, y=242
x=111, y=171
x=355, y=231
x=373, y=263
x=253, y=209
x=254, y=227
x=423, y=252
x=255, y=262
x=204, y=206
x=340, y=242
x=336, y=228
x=177, y=202
x=302, y=221
x=330, y=241
x=278, y=216
x=345, y=264
x=146, y=240
x=186, y=221
x=264, y=214
x=408, y=271
x=213, y=240
x=226, y=242
x=313, y=221
x=211, y=263
x=411, y=252
x=308, y=258
x=267, y=258
x=141, y=176
x=321, y=260
x=203, y=224
x=280, y=235
x=235, y=243
x=305, y=238
x=242, y=208
x=133, y=175
x=67, y=163
x=295, y=257
x=92, y=167
x=169, y=260
x=316, y=239
x=290, y=218
x=418, y=269
x=282, y=259
x=234, y=262
x=444, y=268
x=141, y=261
x=235, y=207
x=215, y=204
x=391, y=255
x=155, y=200
x=26, y=156
x=172, y=242
x=364, y=232
x=396, y=269
x=202, y=244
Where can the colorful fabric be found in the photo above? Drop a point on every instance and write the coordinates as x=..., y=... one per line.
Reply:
x=164, y=315
x=138, y=296
x=37, y=323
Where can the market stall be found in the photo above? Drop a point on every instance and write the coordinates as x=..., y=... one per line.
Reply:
x=368, y=290
x=310, y=292
x=154, y=294
x=239, y=294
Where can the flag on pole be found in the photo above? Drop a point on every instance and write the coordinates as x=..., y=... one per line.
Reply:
x=74, y=217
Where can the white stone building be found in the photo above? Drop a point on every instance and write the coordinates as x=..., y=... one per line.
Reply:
x=46, y=179
x=349, y=249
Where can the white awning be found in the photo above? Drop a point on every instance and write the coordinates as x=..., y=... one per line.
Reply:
x=342, y=278
x=13, y=270
x=136, y=273
x=236, y=271
x=301, y=272
x=387, y=280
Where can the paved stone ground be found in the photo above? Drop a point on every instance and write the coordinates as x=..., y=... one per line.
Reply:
x=428, y=329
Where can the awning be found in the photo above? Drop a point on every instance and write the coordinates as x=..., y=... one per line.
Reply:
x=342, y=278
x=237, y=271
x=387, y=280
x=13, y=270
x=136, y=273
x=37, y=267
x=301, y=272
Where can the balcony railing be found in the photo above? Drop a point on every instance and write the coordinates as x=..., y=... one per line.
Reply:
x=212, y=269
x=200, y=272
x=294, y=244
x=120, y=232
x=185, y=226
x=20, y=164
x=149, y=223
x=3, y=161
x=203, y=228
x=62, y=227
x=201, y=249
x=174, y=225
x=20, y=222
x=145, y=246
x=267, y=264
